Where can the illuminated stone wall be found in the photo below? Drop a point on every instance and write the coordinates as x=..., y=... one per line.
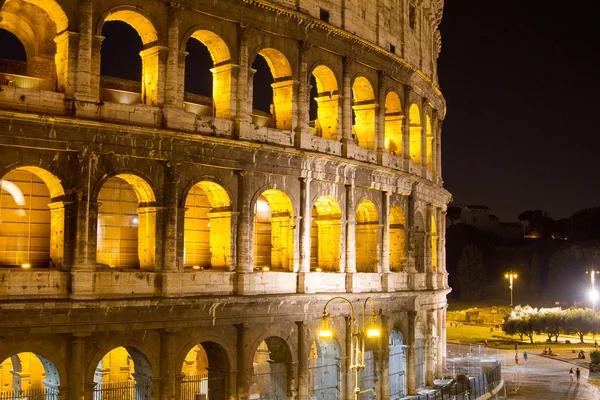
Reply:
x=148, y=234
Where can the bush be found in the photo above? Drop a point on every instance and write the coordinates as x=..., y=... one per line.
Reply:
x=595, y=357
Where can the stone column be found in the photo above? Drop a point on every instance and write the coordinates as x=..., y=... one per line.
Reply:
x=429, y=346
x=406, y=127
x=347, y=105
x=350, y=237
x=441, y=327
x=244, y=101
x=60, y=228
x=95, y=85
x=385, y=240
x=380, y=117
x=243, y=367
x=83, y=71
x=305, y=224
x=424, y=135
x=168, y=368
x=349, y=392
x=78, y=367
x=303, y=92
x=173, y=94
x=244, y=236
x=153, y=72
x=385, y=359
x=438, y=142
x=410, y=354
x=66, y=63
x=303, y=350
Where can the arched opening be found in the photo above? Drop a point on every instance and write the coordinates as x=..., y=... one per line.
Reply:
x=397, y=239
x=368, y=376
x=419, y=359
x=28, y=376
x=325, y=370
x=205, y=371
x=415, y=134
x=271, y=365
x=419, y=233
x=434, y=244
x=325, y=235
x=208, y=75
x=123, y=373
x=28, y=57
x=430, y=143
x=324, y=103
x=367, y=237
x=129, y=59
x=126, y=234
x=363, y=113
x=31, y=219
x=13, y=58
x=273, y=90
x=207, y=227
x=393, y=124
x=397, y=365
x=274, y=226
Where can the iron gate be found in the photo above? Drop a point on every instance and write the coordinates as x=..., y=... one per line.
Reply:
x=30, y=394
x=128, y=390
x=367, y=385
x=325, y=378
x=269, y=382
x=202, y=387
x=420, y=363
x=397, y=371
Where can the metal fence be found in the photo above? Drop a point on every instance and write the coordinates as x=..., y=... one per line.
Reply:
x=128, y=390
x=199, y=387
x=25, y=82
x=30, y=394
x=269, y=382
x=325, y=378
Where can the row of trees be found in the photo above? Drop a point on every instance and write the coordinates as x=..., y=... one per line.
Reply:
x=528, y=321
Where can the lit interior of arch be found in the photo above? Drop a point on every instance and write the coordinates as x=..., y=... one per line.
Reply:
x=367, y=236
x=393, y=124
x=430, y=142
x=397, y=239
x=327, y=100
x=415, y=134
x=325, y=232
x=364, y=113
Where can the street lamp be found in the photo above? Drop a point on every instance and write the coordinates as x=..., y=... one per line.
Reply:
x=511, y=276
x=358, y=348
x=593, y=294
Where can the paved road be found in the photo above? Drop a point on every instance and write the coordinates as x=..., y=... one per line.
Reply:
x=545, y=378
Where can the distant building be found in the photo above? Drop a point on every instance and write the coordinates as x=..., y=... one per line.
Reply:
x=478, y=215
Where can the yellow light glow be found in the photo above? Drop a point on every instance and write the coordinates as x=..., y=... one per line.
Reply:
x=266, y=269
x=318, y=270
x=25, y=266
x=373, y=332
x=325, y=333
x=196, y=267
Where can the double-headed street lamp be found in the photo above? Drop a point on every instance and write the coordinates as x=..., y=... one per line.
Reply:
x=593, y=294
x=511, y=276
x=357, y=350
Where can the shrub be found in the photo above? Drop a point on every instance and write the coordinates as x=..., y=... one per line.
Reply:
x=595, y=357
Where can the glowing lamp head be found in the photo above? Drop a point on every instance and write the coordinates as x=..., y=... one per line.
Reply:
x=196, y=267
x=266, y=269
x=593, y=295
x=25, y=266
x=325, y=333
x=318, y=270
x=373, y=331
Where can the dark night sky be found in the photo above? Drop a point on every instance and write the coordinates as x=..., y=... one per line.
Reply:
x=521, y=78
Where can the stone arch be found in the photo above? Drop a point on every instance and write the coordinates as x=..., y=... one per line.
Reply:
x=364, y=108
x=324, y=369
x=272, y=368
x=325, y=100
x=207, y=226
x=224, y=347
x=393, y=123
x=430, y=141
x=33, y=218
x=434, y=244
x=126, y=234
x=397, y=239
x=150, y=76
x=54, y=11
x=419, y=233
x=206, y=368
x=281, y=112
x=274, y=225
x=367, y=237
x=416, y=131
x=220, y=73
x=31, y=372
x=55, y=370
x=326, y=233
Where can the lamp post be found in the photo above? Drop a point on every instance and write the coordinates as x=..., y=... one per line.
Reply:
x=358, y=336
x=511, y=276
x=593, y=294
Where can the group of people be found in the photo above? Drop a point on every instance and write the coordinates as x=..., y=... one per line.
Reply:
x=581, y=355
x=517, y=357
x=577, y=372
x=548, y=351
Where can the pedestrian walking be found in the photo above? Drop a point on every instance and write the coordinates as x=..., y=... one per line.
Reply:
x=525, y=356
x=571, y=374
x=578, y=373
x=516, y=358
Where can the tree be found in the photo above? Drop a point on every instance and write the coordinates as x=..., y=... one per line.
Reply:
x=470, y=273
x=551, y=321
x=580, y=322
x=524, y=321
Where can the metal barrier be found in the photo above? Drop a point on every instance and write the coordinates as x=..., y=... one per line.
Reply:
x=325, y=378
x=269, y=382
x=24, y=82
x=30, y=394
x=199, y=387
x=128, y=390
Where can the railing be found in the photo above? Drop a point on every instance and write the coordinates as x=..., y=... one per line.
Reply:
x=325, y=378
x=24, y=82
x=128, y=390
x=269, y=382
x=30, y=394
x=199, y=387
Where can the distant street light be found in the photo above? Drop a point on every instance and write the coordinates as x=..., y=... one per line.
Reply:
x=593, y=293
x=511, y=276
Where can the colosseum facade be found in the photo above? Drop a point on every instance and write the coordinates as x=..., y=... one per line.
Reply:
x=161, y=240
